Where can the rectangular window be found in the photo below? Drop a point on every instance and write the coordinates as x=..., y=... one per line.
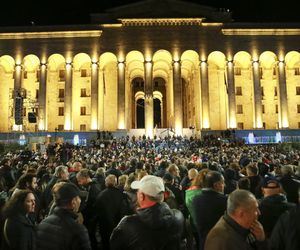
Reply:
x=24, y=112
x=82, y=110
x=82, y=127
x=239, y=109
x=25, y=74
x=261, y=73
x=238, y=91
x=298, y=124
x=275, y=91
x=240, y=125
x=62, y=75
x=60, y=127
x=38, y=75
x=297, y=90
x=297, y=71
x=276, y=108
x=264, y=125
x=263, y=109
x=83, y=73
x=83, y=93
x=36, y=94
x=298, y=108
x=61, y=93
x=61, y=111
x=237, y=71
x=262, y=91
x=274, y=72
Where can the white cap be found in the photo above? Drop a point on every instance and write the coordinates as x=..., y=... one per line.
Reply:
x=150, y=185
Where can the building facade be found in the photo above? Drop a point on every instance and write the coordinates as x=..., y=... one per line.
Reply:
x=152, y=64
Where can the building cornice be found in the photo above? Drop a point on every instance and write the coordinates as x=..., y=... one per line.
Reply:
x=261, y=32
x=50, y=34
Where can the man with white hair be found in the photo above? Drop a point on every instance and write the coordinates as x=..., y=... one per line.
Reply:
x=238, y=228
x=155, y=226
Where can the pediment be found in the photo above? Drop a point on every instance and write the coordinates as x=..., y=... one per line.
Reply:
x=161, y=9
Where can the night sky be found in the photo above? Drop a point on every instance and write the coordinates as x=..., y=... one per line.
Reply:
x=68, y=12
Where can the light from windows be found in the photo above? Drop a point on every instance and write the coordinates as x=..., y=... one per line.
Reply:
x=61, y=93
x=297, y=90
x=60, y=127
x=62, y=75
x=297, y=71
x=276, y=108
x=83, y=73
x=240, y=125
x=61, y=111
x=237, y=71
x=82, y=127
x=82, y=110
x=239, y=109
x=238, y=91
x=83, y=92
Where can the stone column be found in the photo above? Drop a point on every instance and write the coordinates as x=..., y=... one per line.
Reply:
x=257, y=96
x=148, y=86
x=231, y=95
x=204, y=95
x=68, y=98
x=177, y=96
x=94, y=96
x=18, y=77
x=284, y=121
x=42, y=98
x=121, y=95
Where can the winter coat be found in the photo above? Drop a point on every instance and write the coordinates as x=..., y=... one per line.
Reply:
x=19, y=233
x=154, y=228
x=60, y=231
x=286, y=233
x=229, y=235
x=271, y=208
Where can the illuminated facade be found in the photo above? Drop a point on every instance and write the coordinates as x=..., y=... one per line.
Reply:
x=185, y=66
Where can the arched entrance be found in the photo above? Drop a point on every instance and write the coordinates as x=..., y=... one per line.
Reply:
x=140, y=113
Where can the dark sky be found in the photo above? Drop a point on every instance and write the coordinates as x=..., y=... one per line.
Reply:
x=64, y=12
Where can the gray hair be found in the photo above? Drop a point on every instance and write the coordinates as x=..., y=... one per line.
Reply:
x=60, y=170
x=158, y=198
x=239, y=198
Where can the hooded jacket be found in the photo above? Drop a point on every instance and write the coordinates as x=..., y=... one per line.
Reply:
x=154, y=228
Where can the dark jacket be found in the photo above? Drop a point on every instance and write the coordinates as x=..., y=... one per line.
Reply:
x=271, y=208
x=290, y=186
x=60, y=231
x=229, y=235
x=20, y=231
x=154, y=228
x=208, y=207
x=286, y=233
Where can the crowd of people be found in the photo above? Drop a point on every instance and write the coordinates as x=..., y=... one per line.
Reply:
x=141, y=193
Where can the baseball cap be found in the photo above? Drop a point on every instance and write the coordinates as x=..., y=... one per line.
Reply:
x=150, y=185
x=271, y=183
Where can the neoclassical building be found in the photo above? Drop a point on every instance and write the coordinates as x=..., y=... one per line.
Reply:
x=152, y=64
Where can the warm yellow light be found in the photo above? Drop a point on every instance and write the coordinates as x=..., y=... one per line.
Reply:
x=285, y=123
x=67, y=122
x=50, y=34
x=41, y=125
x=94, y=125
x=232, y=122
x=178, y=128
x=205, y=123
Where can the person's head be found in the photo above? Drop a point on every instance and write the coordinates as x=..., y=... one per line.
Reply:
x=198, y=180
x=192, y=173
x=122, y=180
x=62, y=172
x=100, y=171
x=244, y=183
x=287, y=170
x=271, y=187
x=243, y=207
x=150, y=190
x=22, y=202
x=83, y=177
x=173, y=170
x=66, y=195
x=251, y=169
x=27, y=181
x=111, y=180
x=77, y=166
x=141, y=174
x=168, y=178
x=214, y=180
